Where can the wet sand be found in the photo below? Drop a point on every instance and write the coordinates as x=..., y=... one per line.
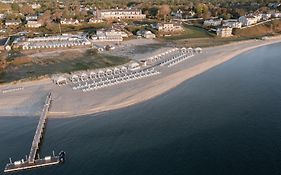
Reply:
x=69, y=103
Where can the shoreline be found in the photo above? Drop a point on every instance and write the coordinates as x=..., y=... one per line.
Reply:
x=68, y=103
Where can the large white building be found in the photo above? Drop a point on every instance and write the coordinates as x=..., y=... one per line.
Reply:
x=178, y=13
x=232, y=24
x=110, y=35
x=12, y=22
x=276, y=15
x=35, y=6
x=120, y=14
x=95, y=20
x=169, y=27
x=248, y=20
x=213, y=22
x=31, y=17
x=33, y=24
x=69, y=21
x=146, y=34
x=266, y=16
x=224, y=32
x=7, y=1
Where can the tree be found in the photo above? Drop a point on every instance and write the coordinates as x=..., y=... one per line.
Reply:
x=15, y=7
x=52, y=27
x=264, y=9
x=153, y=11
x=57, y=15
x=240, y=12
x=206, y=15
x=66, y=13
x=46, y=17
x=226, y=16
x=164, y=10
x=26, y=9
x=201, y=10
x=5, y=7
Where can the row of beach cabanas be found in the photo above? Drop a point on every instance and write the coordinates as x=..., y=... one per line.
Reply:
x=114, y=80
x=175, y=59
x=53, y=38
x=55, y=44
x=86, y=76
x=162, y=55
x=178, y=60
x=172, y=54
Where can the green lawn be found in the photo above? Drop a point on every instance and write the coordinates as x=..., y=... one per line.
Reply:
x=191, y=32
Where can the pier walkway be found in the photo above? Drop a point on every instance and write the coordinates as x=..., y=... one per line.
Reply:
x=39, y=130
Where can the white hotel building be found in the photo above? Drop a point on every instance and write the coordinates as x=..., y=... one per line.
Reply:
x=120, y=14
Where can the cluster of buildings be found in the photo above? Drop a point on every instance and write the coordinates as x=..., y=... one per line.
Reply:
x=31, y=21
x=180, y=14
x=58, y=41
x=69, y=21
x=224, y=27
x=10, y=23
x=252, y=19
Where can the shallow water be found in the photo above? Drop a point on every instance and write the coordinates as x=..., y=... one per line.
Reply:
x=224, y=121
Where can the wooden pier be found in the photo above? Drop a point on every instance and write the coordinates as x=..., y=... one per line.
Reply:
x=31, y=161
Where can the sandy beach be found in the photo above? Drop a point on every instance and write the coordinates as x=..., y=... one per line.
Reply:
x=28, y=100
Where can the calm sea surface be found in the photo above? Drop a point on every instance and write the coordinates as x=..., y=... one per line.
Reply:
x=223, y=122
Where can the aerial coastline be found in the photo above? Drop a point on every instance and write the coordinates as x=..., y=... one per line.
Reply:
x=68, y=103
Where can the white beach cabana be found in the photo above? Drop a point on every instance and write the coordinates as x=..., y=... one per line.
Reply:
x=84, y=77
x=100, y=73
x=134, y=66
x=74, y=78
x=198, y=50
x=93, y=75
x=190, y=50
x=183, y=49
x=108, y=72
x=124, y=69
x=116, y=71
x=60, y=80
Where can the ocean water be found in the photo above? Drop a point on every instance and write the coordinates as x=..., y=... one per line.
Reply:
x=225, y=121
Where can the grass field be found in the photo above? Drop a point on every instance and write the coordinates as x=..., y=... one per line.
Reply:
x=191, y=32
x=41, y=66
x=208, y=42
x=268, y=28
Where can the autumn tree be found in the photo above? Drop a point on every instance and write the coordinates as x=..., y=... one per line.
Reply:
x=201, y=9
x=164, y=11
x=46, y=17
x=26, y=9
x=66, y=13
x=5, y=7
x=57, y=15
x=15, y=7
